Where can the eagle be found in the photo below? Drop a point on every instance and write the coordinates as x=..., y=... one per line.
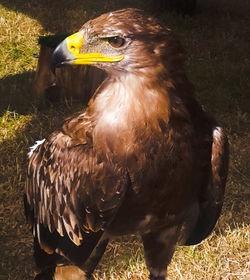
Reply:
x=143, y=157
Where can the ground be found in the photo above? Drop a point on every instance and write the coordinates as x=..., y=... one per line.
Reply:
x=216, y=40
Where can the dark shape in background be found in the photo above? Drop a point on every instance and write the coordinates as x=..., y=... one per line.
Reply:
x=58, y=18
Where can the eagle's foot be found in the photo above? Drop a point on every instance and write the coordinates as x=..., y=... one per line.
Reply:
x=62, y=273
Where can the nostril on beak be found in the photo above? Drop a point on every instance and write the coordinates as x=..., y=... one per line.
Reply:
x=66, y=51
x=73, y=49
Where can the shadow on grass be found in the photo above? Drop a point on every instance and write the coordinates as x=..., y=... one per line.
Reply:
x=16, y=93
x=15, y=236
x=19, y=133
x=66, y=16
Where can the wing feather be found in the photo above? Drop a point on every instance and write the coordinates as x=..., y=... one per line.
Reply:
x=68, y=191
x=212, y=196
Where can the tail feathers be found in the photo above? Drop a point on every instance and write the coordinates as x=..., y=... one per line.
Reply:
x=91, y=263
x=78, y=254
x=43, y=259
x=46, y=274
x=53, y=243
x=52, y=251
x=211, y=199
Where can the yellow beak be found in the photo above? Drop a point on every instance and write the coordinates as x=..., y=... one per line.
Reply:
x=68, y=52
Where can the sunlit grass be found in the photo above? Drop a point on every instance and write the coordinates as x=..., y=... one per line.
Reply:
x=222, y=256
x=18, y=41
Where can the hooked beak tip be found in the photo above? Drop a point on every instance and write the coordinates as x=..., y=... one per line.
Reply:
x=60, y=56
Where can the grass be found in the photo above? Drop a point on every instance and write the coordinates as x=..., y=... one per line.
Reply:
x=218, y=59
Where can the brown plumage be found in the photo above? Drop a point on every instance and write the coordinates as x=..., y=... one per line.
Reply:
x=143, y=157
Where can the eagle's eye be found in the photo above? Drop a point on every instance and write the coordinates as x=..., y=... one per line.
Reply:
x=116, y=41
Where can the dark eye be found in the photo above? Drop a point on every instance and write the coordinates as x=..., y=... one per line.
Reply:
x=116, y=42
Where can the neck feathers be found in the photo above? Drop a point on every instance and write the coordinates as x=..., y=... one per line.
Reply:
x=131, y=99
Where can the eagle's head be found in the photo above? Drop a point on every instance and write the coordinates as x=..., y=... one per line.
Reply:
x=121, y=41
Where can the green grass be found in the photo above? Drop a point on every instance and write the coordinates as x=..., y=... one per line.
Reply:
x=218, y=63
